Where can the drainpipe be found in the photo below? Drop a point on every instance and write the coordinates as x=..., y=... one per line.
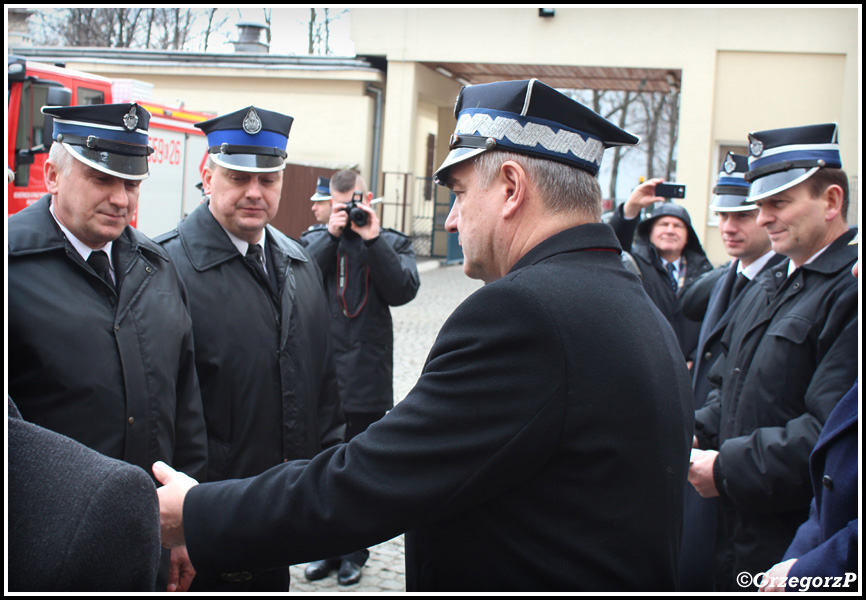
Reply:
x=377, y=138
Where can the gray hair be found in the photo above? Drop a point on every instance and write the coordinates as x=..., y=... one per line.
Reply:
x=60, y=158
x=563, y=188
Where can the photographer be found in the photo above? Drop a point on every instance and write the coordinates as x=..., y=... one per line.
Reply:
x=668, y=253
x=366, y=269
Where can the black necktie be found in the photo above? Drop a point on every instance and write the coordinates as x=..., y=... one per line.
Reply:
x=255, y=258
x=670, y=269
x=98, y=259
x=739, y=284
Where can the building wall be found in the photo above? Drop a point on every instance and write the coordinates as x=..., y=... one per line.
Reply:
x=742, y=69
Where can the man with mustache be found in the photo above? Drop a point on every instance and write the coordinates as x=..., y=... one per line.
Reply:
x=260, y=316
x=100, y=337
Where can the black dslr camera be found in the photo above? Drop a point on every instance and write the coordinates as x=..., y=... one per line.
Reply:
x=357, y=215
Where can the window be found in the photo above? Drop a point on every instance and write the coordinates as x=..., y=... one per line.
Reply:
x=88, y=96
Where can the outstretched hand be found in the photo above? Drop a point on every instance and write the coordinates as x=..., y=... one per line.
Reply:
x=643, y=195
x=171, y=496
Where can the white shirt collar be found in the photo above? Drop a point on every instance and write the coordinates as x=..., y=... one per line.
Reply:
x=243, y=246
x=792, y=267
x=676, y=263
x=753, y=269
x=83, y=249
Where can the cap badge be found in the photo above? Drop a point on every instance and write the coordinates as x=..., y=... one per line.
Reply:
x=730, y=166
x=252, y=122
x=130, y=119
x=756, y=147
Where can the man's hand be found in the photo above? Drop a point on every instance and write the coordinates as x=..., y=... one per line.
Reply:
x=171, y=496
x=181, y=572
x=338, y=220
x=777, y=574
x=643, y=195
x=371, y=229
x=701, y=472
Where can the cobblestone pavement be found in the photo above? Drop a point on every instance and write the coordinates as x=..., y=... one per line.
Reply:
x=415, y=328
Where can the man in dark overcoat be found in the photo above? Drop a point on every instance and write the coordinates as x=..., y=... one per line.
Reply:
x=100, y=336
x=367, y=269
x=825, y=552
x=523, y=459
x=78, y=521
x=749, y=245
x=790, y=354
x=669, y=254
x=263, y=356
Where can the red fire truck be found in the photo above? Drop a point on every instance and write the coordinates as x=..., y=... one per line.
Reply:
x=179, y=148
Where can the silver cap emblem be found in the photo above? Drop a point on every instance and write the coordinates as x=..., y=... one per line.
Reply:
x=730, y=165
x=756, y=147
x=130, y=119
x=252, y=122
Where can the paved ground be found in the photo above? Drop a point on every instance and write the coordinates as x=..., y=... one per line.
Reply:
x=415, y=329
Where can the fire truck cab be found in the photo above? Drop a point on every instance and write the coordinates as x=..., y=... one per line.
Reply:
x=170, y=192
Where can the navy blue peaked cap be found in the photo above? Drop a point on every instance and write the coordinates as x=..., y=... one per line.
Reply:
x=323, y=190
x=251, y=139
x=530, y=118
x=111, y=138
x=731, y=187
x=782, y=158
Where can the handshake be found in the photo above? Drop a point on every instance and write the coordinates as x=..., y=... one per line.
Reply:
x=171, y=496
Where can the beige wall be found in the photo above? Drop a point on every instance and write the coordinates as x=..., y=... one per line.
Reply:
x=776, y=90
x=742, y=69
x=332, y=112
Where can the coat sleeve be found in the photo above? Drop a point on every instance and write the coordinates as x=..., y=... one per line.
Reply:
x=391, y=479
x=323, y=247
x=769, y=468
x=708, y=417
x=623, y=228
x=393, y=268
x=836, y=557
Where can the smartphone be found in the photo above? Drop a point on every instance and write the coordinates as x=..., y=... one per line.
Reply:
x=670, y=190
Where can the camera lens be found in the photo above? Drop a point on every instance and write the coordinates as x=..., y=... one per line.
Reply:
x=358, y=216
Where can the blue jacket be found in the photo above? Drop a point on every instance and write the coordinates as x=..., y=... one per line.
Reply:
x=826, y=544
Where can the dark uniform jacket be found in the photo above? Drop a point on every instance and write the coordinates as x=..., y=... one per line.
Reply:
x=699, y=526
x=653, y=274
x=112, y=370
x=377, y=275
x=790, y=354
x=715, y=320
x=78, y=521
x=264, y=360
x=523, y=459
x=827, y=544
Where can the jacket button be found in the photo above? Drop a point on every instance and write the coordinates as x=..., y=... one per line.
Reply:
x=131, y=420
x=117, y=327
x=736, y=370
x=708, y=355
x=828, y=482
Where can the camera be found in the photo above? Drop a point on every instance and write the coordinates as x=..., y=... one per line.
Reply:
x=670, y=190
x=357, y=215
